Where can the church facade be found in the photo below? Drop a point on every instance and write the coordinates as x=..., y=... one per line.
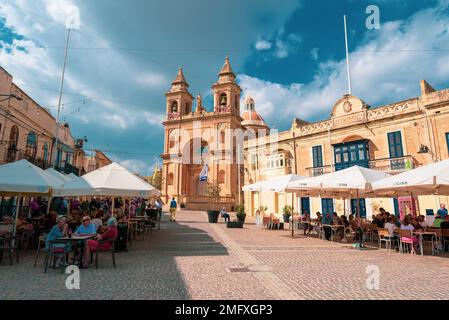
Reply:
x=198, y=142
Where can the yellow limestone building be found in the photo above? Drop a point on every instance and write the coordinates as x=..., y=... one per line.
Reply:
x=390, y=138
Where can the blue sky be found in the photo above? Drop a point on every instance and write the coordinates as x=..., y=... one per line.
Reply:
x=289, y=56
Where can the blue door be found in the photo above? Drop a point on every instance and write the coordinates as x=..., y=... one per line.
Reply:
x=305, y=206
x=327, y=206
x=362, y=207
x=396, y=207
x=351, y=154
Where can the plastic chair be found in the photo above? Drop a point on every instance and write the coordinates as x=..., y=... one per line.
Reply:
x=56, y=249
x=41, y=241
x=8, y=243
x=111, y=249
x=384, y=236
x=405, y=241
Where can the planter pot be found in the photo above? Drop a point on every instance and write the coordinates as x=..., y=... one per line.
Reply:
x=242, y=220
x=213, y=216
x=237, y=224
x=286, y=218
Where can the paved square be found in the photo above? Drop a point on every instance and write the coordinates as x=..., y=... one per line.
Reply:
x=192, y=259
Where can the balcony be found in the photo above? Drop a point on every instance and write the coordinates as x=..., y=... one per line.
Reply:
x=394, y=165
x=10, y=154
x=223, y=109
x=173, y=116
x=387, y=165
x=68, y=169
x=319, y=171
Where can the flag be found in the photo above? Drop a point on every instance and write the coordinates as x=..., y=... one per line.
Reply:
x=204, y=173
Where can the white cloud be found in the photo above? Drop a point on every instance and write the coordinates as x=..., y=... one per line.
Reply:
x=117, y=120
x=153, y=119
x=135, y=166
x=262, y=44
x=152, y=80
x=314, y=54
x=385, y=68
x=280, y=46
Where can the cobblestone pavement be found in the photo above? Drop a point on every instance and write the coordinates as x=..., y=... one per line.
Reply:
x=192, y=259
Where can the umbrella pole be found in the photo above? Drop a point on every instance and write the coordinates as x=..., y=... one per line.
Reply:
x=48, y=204
x=358, y=204
x=112, y=207
x=15, y=222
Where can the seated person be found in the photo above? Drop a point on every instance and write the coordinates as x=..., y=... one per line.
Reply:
x=225, y=215
x=93, y=245
x=377, y=220
x=407, y=225
x=49, y=221
x=391, y=227
x=7, y=227
x=422, y=222
x=58, y=231
x=97, y=221
x=437, y=222
x=86, y=228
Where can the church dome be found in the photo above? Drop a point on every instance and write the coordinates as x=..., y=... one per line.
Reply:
x=251, y=119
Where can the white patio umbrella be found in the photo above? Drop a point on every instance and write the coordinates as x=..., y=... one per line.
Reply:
x=343, y=182
x=23, y=178
x=278, y=184
x=58, y=175
x=353, y=181
x=112, y=180
x=426, y=180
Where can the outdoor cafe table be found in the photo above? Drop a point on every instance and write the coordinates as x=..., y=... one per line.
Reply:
x=334, y=228
x=421, y=235
x=79, y=238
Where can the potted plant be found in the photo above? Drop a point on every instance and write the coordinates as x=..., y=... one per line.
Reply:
x=213, y=191
x=234, y=224
x=287, y=213
x=241, y=215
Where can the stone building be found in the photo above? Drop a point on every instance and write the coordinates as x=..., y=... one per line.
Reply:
x=27, y=131
x=197, y=140
x=391, y=138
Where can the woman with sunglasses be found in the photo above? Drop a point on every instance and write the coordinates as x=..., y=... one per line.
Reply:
x=86, y=228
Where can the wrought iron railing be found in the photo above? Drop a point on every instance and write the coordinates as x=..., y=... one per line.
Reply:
x=388, y=165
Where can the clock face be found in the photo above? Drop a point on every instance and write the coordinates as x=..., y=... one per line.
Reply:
x=221, y=126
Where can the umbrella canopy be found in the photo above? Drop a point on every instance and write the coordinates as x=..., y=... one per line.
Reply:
x=426, y=180
x=58, y=175
x=278, y=184
x=24, y=178
x=112, y=180
x=342, y=183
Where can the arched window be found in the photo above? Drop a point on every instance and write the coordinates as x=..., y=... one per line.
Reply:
x=223, y=100
x=221, y=177
x=236, y=102
x=45, y=152
x=13, y=140
x=170, y=179
x=174, y=106
x=188, y=108
x=31, y=146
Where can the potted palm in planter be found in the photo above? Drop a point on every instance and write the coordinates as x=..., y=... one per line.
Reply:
x=287, y=213
x=213, y=190
x=241, y=216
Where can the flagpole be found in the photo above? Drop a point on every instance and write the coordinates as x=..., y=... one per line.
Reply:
x=347, y=57
x=55, y=148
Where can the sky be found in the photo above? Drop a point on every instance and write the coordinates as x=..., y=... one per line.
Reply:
x=288, y=55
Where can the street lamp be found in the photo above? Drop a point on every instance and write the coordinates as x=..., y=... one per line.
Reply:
x=10, y=96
